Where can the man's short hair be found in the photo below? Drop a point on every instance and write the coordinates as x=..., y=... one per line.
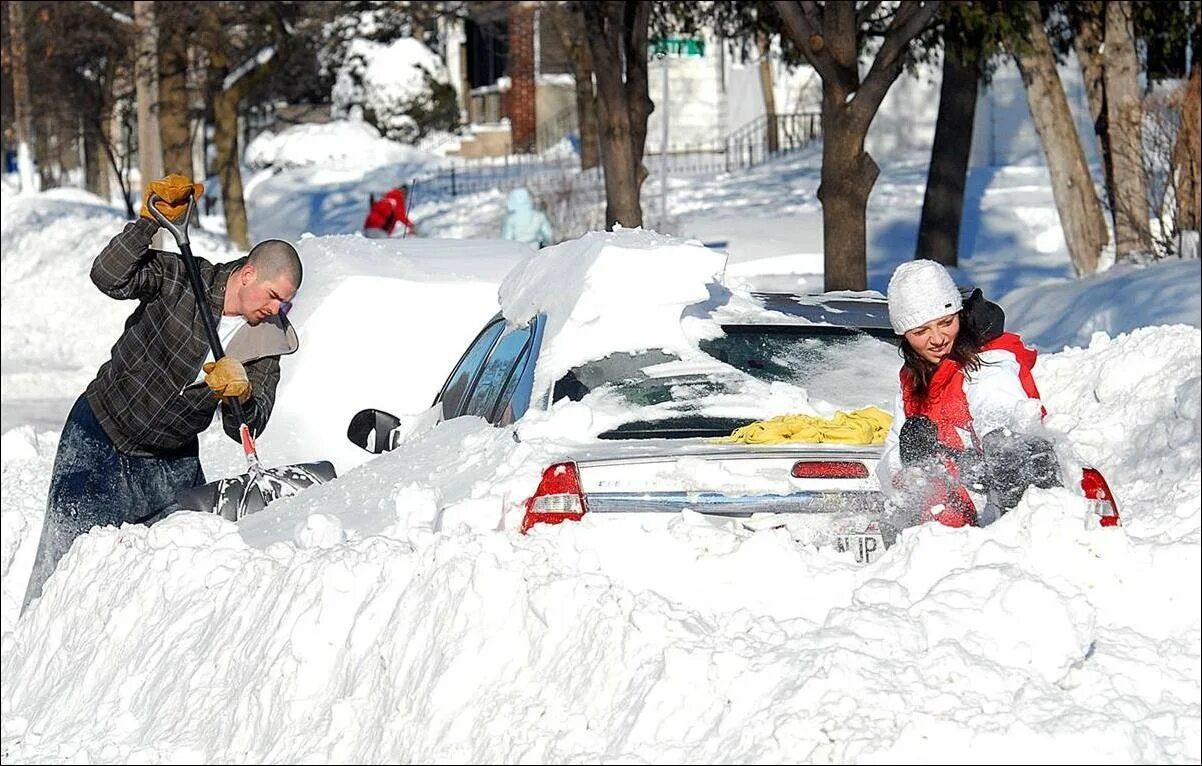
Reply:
x=275, y=257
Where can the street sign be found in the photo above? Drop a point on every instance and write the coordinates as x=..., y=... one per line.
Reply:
x=677, y=46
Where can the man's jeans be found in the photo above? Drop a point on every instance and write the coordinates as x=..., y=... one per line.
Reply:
x=94, y=485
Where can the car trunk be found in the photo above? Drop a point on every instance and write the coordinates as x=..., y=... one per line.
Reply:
x=671, y=475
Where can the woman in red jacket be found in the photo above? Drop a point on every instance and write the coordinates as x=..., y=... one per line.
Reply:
x=959, y=449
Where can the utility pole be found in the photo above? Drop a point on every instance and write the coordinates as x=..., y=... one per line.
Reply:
x=663, y=143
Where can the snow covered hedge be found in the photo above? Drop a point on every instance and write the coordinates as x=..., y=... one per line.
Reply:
x=313, y=144
x=401, y=88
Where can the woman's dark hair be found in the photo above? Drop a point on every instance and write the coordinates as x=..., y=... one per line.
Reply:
x=966, y=351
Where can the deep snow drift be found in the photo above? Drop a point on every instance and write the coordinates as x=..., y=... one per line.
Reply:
x=396, y=614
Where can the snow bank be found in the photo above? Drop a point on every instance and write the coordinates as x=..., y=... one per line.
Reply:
x=351, y=623
x=341, y=142
x=1118, y=300
x=381, y=324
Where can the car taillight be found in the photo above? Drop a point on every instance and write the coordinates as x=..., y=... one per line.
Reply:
x=829, y=469
x=558, y=497
x=1096, y=488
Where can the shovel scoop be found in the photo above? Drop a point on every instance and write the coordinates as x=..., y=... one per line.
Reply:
x=250, y=492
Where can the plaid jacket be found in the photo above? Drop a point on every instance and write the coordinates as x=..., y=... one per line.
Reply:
x=145, y=396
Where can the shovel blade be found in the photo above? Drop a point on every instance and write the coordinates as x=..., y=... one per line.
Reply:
x=240, y=496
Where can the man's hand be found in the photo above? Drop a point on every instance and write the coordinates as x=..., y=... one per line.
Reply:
x=175, y=191
x=227, y=378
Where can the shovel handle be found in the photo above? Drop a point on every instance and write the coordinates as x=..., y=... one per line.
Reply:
x=180, y=233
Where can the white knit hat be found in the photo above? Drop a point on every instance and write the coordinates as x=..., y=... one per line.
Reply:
x=920, y=291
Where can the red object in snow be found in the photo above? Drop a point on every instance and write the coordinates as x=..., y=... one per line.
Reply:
x=387, y=212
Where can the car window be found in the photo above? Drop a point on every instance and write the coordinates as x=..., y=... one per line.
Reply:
x=509, y=351
x=513, y=404
x=455, y=390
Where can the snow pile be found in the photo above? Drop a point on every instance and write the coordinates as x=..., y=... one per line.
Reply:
x=341, y=142
x=395, y=614
x=1115, y=301
x=371, y=336
x=350, y=623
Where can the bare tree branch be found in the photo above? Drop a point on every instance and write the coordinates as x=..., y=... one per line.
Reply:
x=912, y=17
x=865, y=13
x=803, y=22
x=114, y=14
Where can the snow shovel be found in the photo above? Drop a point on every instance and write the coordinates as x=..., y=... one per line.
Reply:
x=241, y=495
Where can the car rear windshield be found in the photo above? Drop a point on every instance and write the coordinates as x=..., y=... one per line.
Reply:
x=742, y=376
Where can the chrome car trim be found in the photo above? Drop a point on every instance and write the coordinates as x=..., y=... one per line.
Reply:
x=732, y=505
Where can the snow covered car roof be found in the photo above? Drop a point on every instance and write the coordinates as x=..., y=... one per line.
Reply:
x=643, y=326
x=867, y=311
x=632, y=289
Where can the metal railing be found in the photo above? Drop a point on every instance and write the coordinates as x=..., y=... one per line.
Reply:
x=770, y=135
x=764, y=138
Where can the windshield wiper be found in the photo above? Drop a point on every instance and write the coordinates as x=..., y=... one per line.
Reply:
x=675, y=428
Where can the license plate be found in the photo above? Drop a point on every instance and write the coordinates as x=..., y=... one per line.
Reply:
x=867, y=547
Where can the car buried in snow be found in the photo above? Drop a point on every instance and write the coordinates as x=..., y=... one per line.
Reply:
x=636, y=329
x=625, y=358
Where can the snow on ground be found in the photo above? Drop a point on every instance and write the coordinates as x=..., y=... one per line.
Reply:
x=350, y=143
x=395, y=614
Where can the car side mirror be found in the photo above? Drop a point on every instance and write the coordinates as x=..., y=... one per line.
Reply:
x=372, y=430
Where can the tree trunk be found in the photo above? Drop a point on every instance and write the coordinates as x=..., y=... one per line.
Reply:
x=1089, y=35
x=150, y=152
x=617, y=156
x=173, y=102
x=23, y=116
x=638, y=92
x=1072, y=187
x=847, y=178
x=617, y=35
x=943, y=201
x=829, y=36
x=773, y=129
x=1124, y=114
x=575, y=42
x=1187, y=154
x=225, y=123
x=96, y=176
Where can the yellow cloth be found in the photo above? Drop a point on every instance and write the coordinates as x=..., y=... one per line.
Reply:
x=865, y=426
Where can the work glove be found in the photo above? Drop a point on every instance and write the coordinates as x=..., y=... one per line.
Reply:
x=918, y=444
x=175, y=191
x=227, y=378
x=918, y=440
x=1014, y=462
